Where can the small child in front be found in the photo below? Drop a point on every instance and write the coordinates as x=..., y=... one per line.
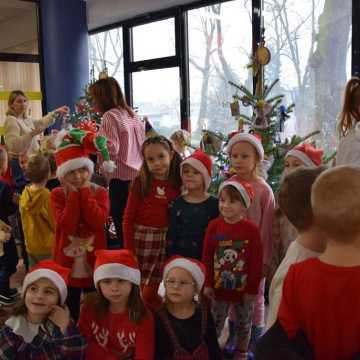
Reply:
x=295, y=204
x=40, y=327
x=184, y=327
x=233, y=256
x=114, y=319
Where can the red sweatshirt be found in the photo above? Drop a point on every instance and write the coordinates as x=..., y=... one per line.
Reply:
x=150, y=211
x=81, y=214
x=232, y=255
x=323, y=301
x=116, y=337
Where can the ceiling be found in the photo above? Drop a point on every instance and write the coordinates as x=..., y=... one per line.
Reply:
x=105, y=12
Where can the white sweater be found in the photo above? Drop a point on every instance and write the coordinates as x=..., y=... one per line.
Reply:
x=17, y=131
x=349, y=148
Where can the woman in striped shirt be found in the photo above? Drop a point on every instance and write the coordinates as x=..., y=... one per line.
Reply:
x=125, y=133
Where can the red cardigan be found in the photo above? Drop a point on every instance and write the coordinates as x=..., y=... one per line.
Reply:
x=80, y=213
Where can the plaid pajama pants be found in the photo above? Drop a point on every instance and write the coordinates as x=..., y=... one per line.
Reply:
x=150, y=246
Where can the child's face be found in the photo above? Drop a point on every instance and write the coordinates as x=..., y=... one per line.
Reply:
x=40, y=297
x=191, y=178
x=291, y=163
x=116, y=291
x=180, y=286
x=232, y=210
x=19, y=105
x=3, y=162
x=158, y=160
x=243, y=158
x=78, y=177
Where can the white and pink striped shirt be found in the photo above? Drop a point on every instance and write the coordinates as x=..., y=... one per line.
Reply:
x=125, y=135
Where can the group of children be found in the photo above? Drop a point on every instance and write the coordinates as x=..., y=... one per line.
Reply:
x=191, y=260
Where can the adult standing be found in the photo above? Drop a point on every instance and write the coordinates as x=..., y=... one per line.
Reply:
x=22, y=133
x=125, y=133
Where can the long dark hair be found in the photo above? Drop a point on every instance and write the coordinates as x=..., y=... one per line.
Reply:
x=136, y=307
x=108, y=95
x=145, y=177
x=351, y=104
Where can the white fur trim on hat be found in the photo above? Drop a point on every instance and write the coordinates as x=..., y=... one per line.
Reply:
x=188, y=265
x=301, y=156
x=116, y=270
x=51, y=275
x=240, y=189
x=247, y=138
x=199, y=166
x=74, y=164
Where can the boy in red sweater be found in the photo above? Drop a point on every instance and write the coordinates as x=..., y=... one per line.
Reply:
x=321, y=296
x=233, y=256
x=80, y=210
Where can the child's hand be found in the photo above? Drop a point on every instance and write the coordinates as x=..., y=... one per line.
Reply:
x=60, y=316
x=209, y=292
x=67, y=186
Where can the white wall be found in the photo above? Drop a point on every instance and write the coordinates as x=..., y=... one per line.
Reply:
x=104, y=12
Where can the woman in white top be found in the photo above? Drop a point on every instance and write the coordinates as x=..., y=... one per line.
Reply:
x=22, y=133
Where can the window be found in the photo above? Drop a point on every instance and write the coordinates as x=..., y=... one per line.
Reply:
x=106, y=51
x=156, y=95
x=154, y=40
x=310, y=45
x=220, y=40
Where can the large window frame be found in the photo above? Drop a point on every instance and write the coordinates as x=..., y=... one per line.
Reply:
x=180, y=59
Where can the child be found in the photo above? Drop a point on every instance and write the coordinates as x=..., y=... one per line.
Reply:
x=295, y=204
x=53, y=181
x=321, y=295
x=36, y=217
x=40, y=327
x=181, y=140
x=246, y=156
x=349, y=127
x=184, y=328
x=114, y=320
x=191, y=213
x=80, y=209
x=146, y=214
x=9, y=257
x=233, y=255
x=283, y=232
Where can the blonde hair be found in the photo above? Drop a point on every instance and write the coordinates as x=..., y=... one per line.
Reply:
x=335, y=202
x=12, y=97
x=351, y=104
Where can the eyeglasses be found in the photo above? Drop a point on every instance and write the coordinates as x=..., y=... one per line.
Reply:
x=180, y=284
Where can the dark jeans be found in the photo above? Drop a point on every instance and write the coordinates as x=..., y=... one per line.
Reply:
x=8, y=264
x=118, y=192
x=73, y=300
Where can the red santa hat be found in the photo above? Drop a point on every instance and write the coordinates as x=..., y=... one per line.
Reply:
x=52, y=271
x=306, y=153
x=254, y=140
x=243, y=187
x=200, y=161
x=116, y=264
x=193, y=266
x=74, y=148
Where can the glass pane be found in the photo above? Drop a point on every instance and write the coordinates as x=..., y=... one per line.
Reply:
x=157, y=96
x=220, y=39
x=106, y=50
x=154, y=40
x=19, y=23
x=20, y=76
x=310, y=44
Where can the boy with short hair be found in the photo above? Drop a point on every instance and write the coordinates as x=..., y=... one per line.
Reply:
x=36, y=217
x=295, y=203
x=321, y=295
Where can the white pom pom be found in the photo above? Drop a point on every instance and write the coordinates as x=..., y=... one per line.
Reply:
x=60, y=137
x=108, y=166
